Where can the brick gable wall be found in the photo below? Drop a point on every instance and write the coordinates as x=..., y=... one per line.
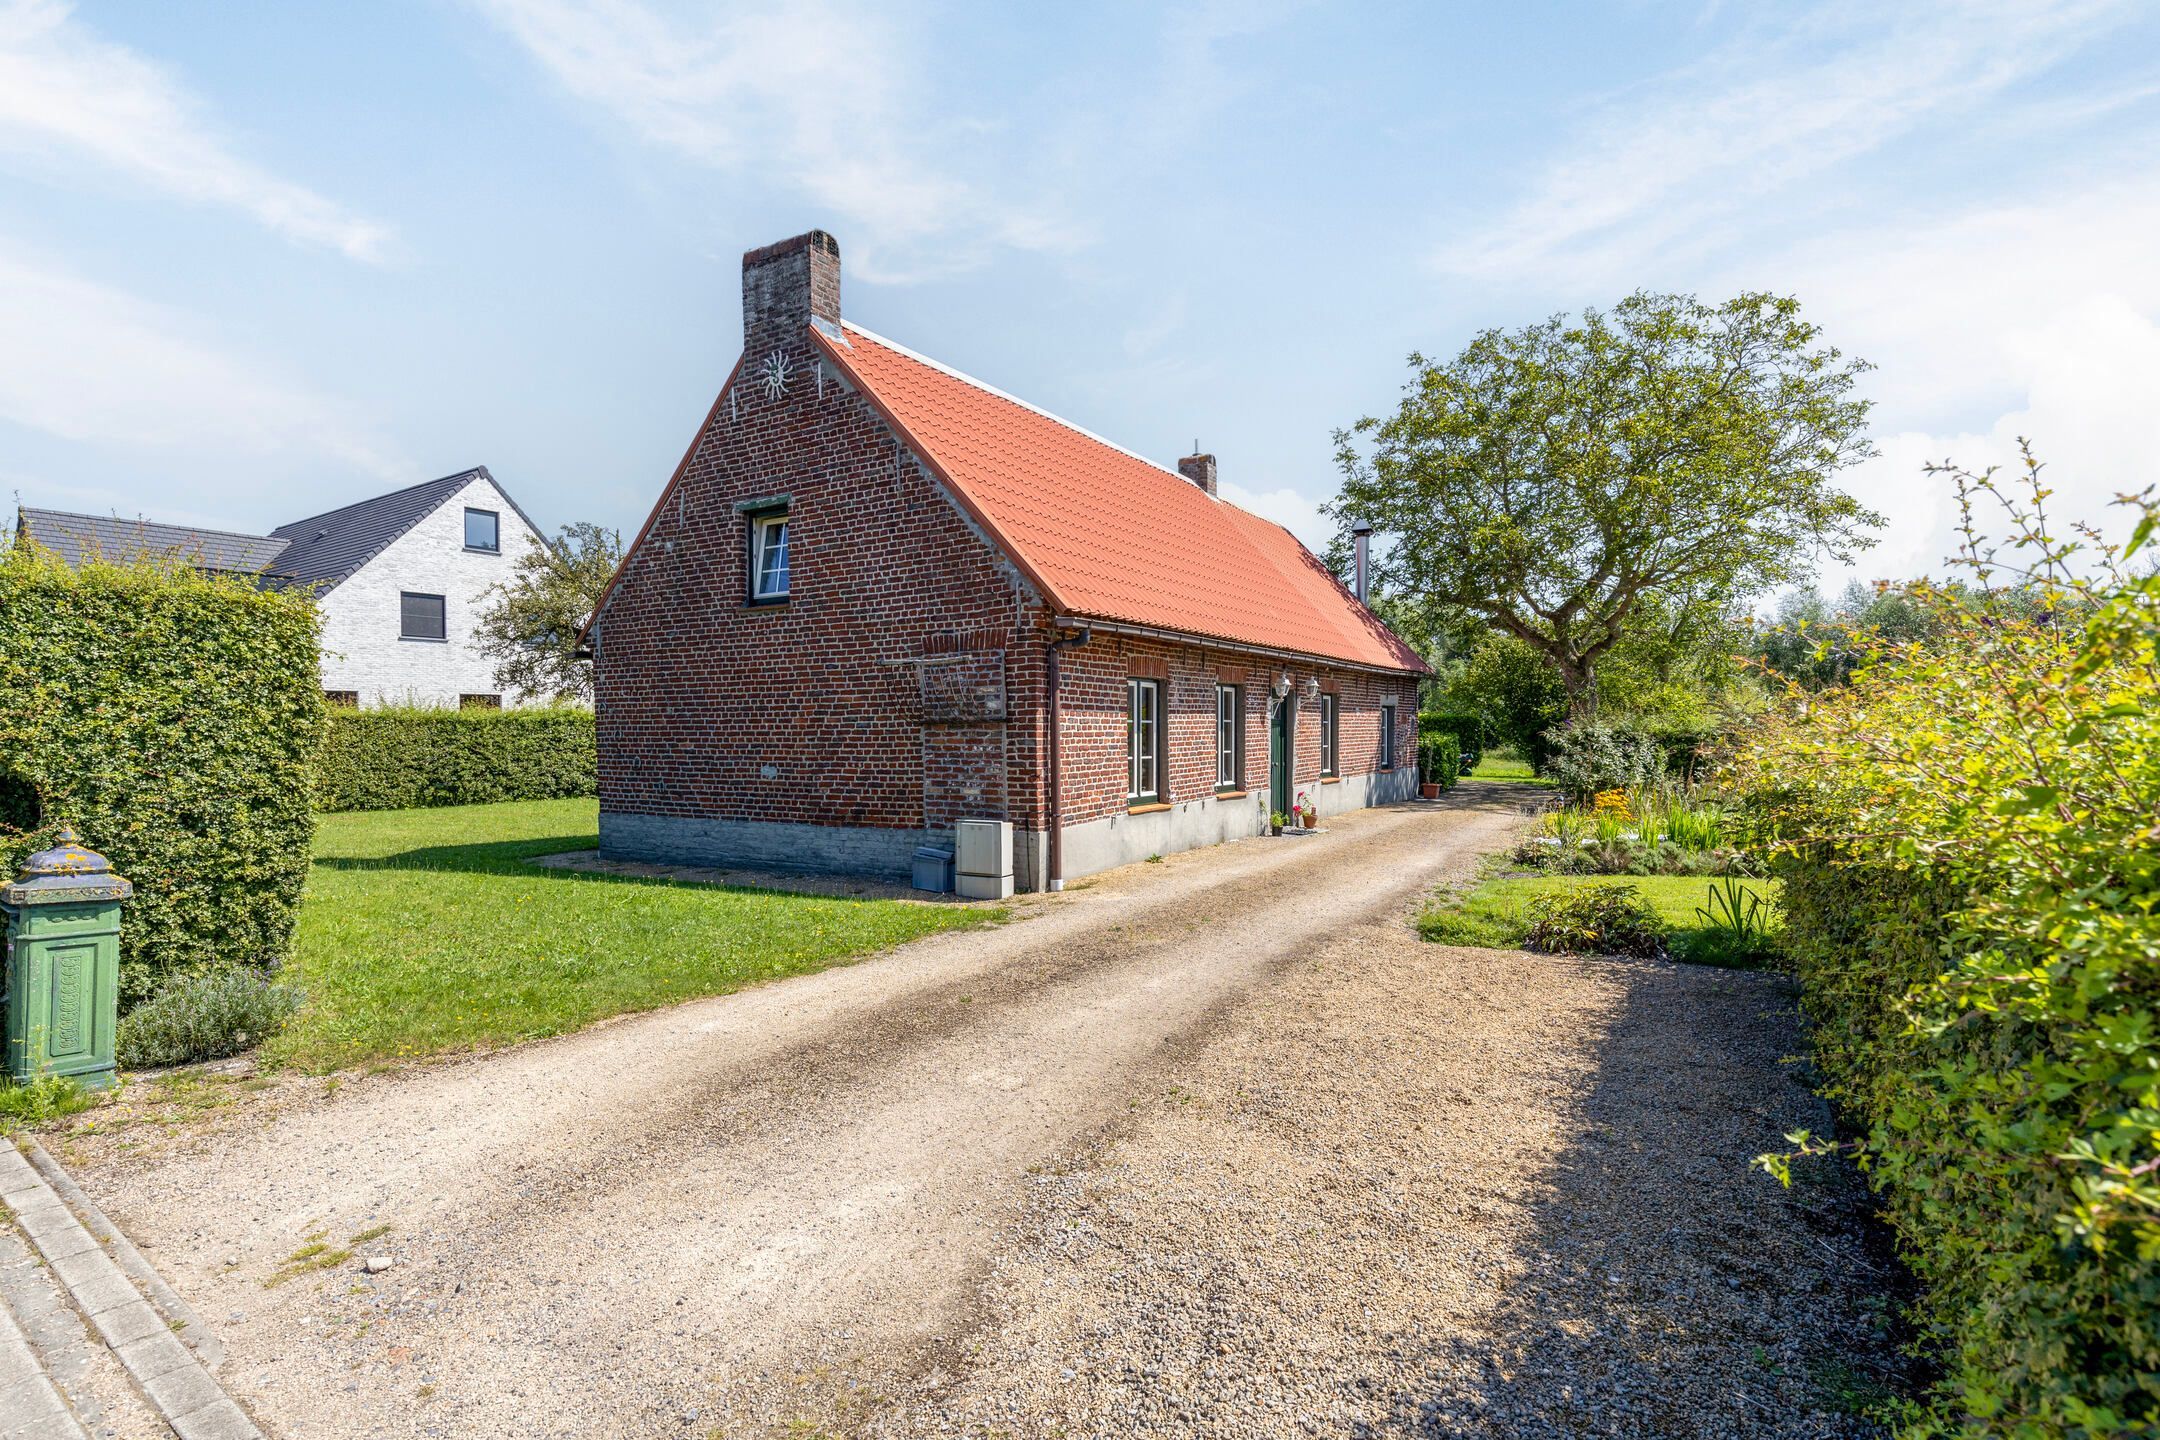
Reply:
x=889, y=692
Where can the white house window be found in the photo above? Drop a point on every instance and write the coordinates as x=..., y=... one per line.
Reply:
x=1143, y=741
x=420, y=617
x=483, y=531
x=1387, y=734
x=1330, y=753
x=769, y=556
x=1229, y=736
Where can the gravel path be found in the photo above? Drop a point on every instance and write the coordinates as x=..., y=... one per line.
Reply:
x=1411, y=1190
x=778, y=1211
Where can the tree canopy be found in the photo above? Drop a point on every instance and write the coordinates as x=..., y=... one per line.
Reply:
x=1574, y=480
x=530, y=623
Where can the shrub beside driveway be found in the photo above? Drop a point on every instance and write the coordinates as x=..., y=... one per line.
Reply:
x=430, y=930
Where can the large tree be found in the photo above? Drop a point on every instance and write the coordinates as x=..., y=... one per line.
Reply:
x=531, y=621
x=1567, y=480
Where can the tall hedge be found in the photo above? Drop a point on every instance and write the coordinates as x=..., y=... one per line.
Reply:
x=403, y=758
x=1467, y=727
x=1972, y=900
x=173, y=719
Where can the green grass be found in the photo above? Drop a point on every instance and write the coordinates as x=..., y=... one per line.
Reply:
x=427, y=930
x=1494, y=914
x=1505, y=766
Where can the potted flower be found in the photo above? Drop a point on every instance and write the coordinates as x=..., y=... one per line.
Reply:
x=1308, y=816
x=1275, y=822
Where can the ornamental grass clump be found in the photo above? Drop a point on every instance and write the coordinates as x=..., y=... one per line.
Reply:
x=1971, y=861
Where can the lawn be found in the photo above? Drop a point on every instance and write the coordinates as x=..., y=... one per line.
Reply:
x=427, y=930
x=1505, y=765
x=1494, y=914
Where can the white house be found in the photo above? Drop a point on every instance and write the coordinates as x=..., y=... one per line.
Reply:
x=400, y=579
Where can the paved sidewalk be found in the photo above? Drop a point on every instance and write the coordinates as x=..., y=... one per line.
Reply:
x=80, y=1340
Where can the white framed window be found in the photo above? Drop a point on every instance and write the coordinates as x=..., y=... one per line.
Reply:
x=1143, y=741
x=769, y=556
x=1330, y=752
x=1387, y=734
x=1229, y=736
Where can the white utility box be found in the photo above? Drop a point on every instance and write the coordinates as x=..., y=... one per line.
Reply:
x=983, y=859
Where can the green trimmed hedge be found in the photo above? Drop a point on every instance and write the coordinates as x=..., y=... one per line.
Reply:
x=1467, y=727
x=173, y=718
x=1439, y=762
x=406, y=758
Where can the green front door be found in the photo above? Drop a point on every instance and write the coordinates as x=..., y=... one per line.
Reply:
x=1278, y=758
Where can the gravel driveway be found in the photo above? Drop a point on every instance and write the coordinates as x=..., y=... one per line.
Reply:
x=1211, y=1146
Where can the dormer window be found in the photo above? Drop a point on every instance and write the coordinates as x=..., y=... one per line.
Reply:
x=768, y=557
x=483, y=531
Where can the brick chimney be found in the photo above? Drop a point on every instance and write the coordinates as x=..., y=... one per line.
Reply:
x=1200, y=469
x=785, y=288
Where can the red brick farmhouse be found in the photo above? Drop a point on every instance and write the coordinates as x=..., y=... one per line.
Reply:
x=879, y=597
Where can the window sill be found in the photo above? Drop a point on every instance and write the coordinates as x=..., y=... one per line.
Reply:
x=426, y=639
x=1331, y=779
x=768, y=602
x=1232, y=794
x=1149, y=808
x=483, y=549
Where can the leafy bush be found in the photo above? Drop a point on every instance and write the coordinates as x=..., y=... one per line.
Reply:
x=1586, y=757
x=1439, y=762
x=1966, y=835
x=173, y=718
x=203, y=1016
x=1595, y=920
x=408, y=757
x=1465, y=726
x=1687, y=749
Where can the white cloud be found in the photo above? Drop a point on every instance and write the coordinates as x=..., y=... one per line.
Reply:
x=66, y=94
x=1677, y=163
x=815, y=94
x=87, y=363
x=2039, y=320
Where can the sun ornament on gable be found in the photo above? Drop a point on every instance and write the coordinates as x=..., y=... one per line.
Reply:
x=774, y=372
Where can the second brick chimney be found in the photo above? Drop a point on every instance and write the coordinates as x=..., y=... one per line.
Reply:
x=785, y=289
x=1200, y=469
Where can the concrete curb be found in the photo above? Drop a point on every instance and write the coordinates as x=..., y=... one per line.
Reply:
x=165, y=1370
x=188, y=1325
x=30, y=1405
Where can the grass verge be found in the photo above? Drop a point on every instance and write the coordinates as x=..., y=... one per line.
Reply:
x=428, y=930
x=1495, y=915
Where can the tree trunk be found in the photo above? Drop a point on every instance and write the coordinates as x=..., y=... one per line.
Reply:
x=1581, y=682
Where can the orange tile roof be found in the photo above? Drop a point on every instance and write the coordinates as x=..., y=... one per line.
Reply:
x=1105, y=534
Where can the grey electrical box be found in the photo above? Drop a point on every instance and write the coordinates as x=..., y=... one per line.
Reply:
x=984, y=870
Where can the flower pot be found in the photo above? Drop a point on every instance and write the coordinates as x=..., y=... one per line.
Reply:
x=1311, y=818
x=1274, y=829
x=1429, y=791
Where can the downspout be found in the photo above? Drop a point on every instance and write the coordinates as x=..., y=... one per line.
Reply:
x=1057, y=779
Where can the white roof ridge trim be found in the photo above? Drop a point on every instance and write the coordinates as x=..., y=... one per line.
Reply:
x=988, y=389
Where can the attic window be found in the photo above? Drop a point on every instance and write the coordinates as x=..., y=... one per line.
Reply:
x=483, y=531
x=768, y=557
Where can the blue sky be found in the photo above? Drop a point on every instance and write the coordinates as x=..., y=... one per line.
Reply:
x=260, y=261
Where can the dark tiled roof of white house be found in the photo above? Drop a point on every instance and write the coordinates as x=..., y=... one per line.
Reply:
x=327, y=549
x=76, y=538
x=321, y=552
